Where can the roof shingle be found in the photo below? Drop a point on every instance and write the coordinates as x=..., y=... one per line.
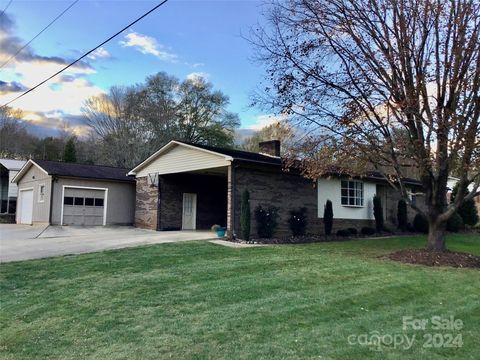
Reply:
x=101, y=172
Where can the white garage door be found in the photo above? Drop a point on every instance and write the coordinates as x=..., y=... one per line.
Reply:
x=26, y=206
x=83, y=206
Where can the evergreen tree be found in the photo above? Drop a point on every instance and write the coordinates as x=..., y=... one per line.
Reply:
x=467, y=211
x=378, y=212
x=245, y=215
x=328, y=217
x=402, y=216
x=70, y=153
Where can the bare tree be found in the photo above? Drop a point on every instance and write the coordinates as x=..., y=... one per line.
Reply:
x=356, y=73
x=135, y=121
x=14, y=138
x=278, y=131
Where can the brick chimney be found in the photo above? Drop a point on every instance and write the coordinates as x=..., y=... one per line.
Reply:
x=271, y=147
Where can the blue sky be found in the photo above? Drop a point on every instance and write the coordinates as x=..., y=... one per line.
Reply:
x=181, y=38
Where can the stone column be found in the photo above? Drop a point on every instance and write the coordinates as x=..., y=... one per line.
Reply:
x=230, y=195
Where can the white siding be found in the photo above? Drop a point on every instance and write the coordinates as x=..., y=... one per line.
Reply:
x=12, y=187
x=330, y=189
x=182, y=159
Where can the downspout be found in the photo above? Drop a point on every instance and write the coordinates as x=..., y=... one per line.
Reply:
x=51, y=202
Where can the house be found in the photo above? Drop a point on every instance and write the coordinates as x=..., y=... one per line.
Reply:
x=191, y=186
x=8, y=190
x=74, y=194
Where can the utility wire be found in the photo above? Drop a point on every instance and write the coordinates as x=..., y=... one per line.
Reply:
x=45, y=28
x=87, y=53
x=6, y=7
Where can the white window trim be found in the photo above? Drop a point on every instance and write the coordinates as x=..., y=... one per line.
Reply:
x=39, y=198
x=105, y=202
x=348, y=196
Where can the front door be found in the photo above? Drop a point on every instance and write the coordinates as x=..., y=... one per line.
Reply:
x=189, y=213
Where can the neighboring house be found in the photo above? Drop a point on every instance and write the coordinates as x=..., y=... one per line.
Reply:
x=452, y=181
x=73, y=194
x=189, y=186
x=8, y=190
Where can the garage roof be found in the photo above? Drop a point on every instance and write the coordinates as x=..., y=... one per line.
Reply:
x=58, y=168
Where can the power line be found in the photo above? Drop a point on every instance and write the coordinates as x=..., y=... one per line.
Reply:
x=87, y=53
x=6, y=7
x=45, y=28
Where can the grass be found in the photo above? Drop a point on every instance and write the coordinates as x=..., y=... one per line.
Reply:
x=199, y=300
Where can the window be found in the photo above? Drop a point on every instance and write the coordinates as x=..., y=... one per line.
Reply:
x=352, y=193
x=88, y=201
x=41, y=193
x=98, y=202
x=68, y=200
x=78, y=201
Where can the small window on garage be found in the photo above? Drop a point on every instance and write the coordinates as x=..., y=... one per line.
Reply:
x=68, y=200
x=98, y=202
x=78, y=201
x=89, y=201
x=41, y=193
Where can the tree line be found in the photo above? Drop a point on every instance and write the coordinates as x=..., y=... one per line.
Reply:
x=129, y=123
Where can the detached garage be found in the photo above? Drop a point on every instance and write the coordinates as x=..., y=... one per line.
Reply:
x=74, y=194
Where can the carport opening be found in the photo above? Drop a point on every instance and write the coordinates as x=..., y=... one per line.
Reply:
x=193, y=200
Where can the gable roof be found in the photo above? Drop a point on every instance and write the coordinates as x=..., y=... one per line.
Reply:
x=240, y=154
x=63, y=169
x=227, y=154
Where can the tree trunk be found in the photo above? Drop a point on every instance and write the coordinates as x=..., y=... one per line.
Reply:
x=436, y=236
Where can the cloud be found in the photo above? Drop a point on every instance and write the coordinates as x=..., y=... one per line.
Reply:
x=262, y=121
x=58, y=100
x=100, y=54
x=147, y=45
x=11, y=87
x=198, y=76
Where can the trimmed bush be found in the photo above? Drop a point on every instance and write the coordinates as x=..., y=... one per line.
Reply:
x=467, y=211
x=353, y=231
x=343, y=233
x=455, y=223
x=245, y=215
x=402, y=216
x=378, y=212
x=298, y=221
x=328, y=217
x=366, y=230
x=420, y=223
x=266, y=221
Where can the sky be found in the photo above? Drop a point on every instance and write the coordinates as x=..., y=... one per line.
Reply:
x=181, y=38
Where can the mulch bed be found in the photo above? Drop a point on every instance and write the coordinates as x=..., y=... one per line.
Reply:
x=447, y=258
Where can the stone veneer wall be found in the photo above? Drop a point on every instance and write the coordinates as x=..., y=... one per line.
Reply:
x=146, y=205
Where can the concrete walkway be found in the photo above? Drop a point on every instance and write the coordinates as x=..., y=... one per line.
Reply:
x=25, y=242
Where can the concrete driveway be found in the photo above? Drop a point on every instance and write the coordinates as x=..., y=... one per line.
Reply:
x=25, y=242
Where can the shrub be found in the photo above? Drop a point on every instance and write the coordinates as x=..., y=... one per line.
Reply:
x=353, y=231
x=420, y=223
x=455, y=223
x=343, y=233
x=245, y=215
x=468, y=210
x=266, y=221
x=298, y=221
x=402, y=216
x=410, y=227
x=366, y=230
x=378, y=212
x=328, y=217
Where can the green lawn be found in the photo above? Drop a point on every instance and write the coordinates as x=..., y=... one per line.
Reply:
x=199, y=300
